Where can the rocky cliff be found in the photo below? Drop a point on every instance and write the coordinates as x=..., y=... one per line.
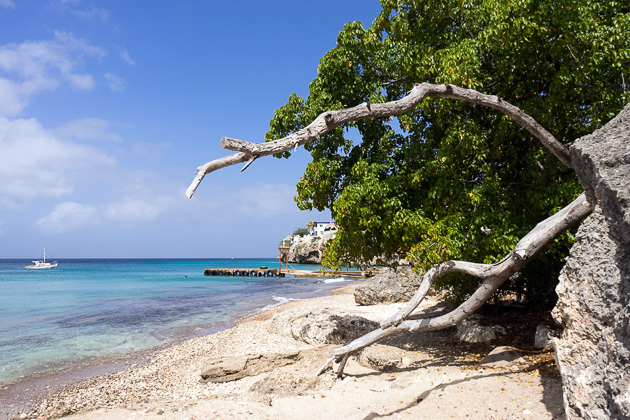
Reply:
x=308, y=251
x=388, y=287
x=593, y=353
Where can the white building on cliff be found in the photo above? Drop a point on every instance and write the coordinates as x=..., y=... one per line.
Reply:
x=323, y=229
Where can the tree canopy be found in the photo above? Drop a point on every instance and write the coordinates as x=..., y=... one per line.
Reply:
x=452, y=180
x=301, y=231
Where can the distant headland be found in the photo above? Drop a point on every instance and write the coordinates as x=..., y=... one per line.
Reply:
x=307, y=244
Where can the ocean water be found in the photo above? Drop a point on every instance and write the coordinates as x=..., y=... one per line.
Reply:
x=89, y=310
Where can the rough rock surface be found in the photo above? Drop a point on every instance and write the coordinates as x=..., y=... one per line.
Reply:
x=471, y=331
x=320, y=326
x=593, y=353
x=387, y=358
x=543, y=339
x=226, y=369
x=308, y=252
x=388, y=287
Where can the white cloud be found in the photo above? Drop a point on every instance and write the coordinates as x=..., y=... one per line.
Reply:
x=265, y=201
x=68, y=216
x=92, y=13
x=141, y=200
x=7, y=3
x=124, y=54
x=87, y=128
x=37, y=59
x=88, y=13
x=81, y=81
x=252, y=202
x=12, y=97
x=137, y=209
x=116, y=84
x=151, y=150
x=34, y=163
x=32, y=67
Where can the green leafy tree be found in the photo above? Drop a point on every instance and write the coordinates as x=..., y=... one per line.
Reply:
x=300, y=232
x=452, y=180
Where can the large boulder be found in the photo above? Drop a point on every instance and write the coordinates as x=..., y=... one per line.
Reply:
x=470, y=330
x=320, y=326
x=388, y=287
x=593, y=353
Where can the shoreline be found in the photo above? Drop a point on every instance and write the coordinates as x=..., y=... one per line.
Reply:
x=28, y=392
x=438, y=381
x=25, y=394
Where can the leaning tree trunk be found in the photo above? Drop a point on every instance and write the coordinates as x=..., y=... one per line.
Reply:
x=330, y=120
x=493, y=275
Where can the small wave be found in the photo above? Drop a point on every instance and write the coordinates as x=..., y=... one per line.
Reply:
x=280, y=300
x=335, y=280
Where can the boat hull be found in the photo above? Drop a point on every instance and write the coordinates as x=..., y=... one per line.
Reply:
x=41, y=266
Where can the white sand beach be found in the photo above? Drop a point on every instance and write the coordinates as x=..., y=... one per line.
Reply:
x=435, y=380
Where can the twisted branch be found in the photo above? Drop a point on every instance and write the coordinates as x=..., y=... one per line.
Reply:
x=493, y=275
x=330, y=120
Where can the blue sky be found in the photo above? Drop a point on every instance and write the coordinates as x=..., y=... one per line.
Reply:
x=108, y=107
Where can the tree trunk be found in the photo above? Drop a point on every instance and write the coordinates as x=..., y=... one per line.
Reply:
x=330, y=120
x=493, y=275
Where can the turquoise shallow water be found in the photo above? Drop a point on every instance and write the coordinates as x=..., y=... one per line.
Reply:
x=86, y=310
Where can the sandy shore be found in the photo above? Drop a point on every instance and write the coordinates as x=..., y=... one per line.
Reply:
x=439, y=380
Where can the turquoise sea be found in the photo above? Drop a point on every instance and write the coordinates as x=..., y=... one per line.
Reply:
x=90, y=310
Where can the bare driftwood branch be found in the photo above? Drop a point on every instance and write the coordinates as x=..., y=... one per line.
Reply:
x=330, y=120
x=493, y=275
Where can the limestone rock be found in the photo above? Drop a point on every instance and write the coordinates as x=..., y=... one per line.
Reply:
x=543, y=338
x=471, y=331
x=320, y=326
x=226, y=369
x=383, y=358
x=295, y=379
x=593, y=306
x=308, y=251
x=388, y=287
x=503, y=356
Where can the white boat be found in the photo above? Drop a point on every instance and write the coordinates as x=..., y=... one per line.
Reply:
x=39, y=264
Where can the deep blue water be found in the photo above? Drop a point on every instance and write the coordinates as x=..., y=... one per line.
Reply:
x=87, y=310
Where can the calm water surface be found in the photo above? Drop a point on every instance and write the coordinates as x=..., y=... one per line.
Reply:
x=88, y=310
